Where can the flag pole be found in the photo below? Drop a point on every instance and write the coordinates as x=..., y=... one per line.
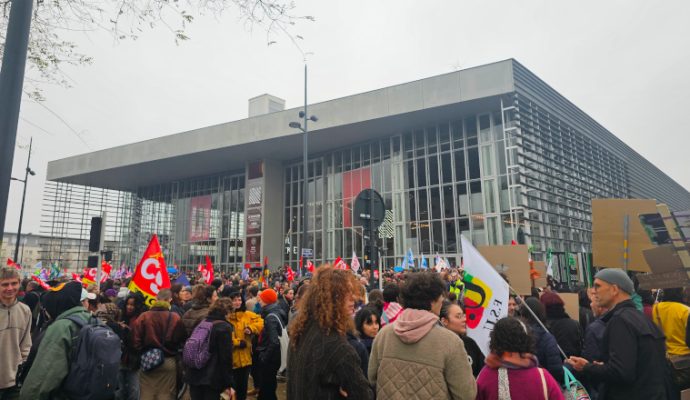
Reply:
x=522, y=302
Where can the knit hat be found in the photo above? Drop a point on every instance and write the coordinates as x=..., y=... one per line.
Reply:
x=111, y=293
x=61, y=298
x=616, y=276
x=268, y=296
x=551, y=299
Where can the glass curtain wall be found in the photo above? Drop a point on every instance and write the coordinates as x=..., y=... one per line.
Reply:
x=437, y=181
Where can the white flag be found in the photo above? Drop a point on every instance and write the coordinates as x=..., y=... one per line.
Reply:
x=354, y=265
x=486, y=295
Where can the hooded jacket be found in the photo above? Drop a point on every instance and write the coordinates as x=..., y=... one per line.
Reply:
x=240, y=320
x=52, y=362
x=524, y=379
x=15, y=340
x=416, y=358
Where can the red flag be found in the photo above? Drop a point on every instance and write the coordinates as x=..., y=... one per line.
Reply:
x=310, y=266
x=290, y=274
x=207, y=270
x=89, y=276
x=340, y=264
x=11, y=263
x=247, y=266
x=265, y=260
x=376, y=274
x=105, y=271
x=513, y=242
x=40, y=282
x=151, y=274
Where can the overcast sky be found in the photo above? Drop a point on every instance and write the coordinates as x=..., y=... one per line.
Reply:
x=625, y=63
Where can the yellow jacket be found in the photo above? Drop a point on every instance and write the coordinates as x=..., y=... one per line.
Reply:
x=672, y=318
x=241, y=320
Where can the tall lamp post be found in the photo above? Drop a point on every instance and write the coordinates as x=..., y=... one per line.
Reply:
x=27, y=172
x=305, y=161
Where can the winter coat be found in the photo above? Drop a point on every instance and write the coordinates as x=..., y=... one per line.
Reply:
x=474, y=354
x=633, y=356
x=268, y=346
x=321, y=364
x=568, y=333
x=594, y=341
x=417, y=358
x=52, y=362
x=362, y=352
x=547, y=352
x=242, y=357
x=196, y=314
x=15, y=340
x=217, y=373
x=524, y=383
x=152, y=326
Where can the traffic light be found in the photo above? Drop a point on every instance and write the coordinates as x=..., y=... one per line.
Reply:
x=95, y=236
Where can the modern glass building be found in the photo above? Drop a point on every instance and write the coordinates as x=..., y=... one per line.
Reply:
x=491, y=152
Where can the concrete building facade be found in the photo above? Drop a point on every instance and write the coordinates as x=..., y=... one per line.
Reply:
x=491, y=152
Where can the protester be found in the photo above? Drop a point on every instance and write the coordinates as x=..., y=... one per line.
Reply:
x=512, y=305
x=208, y=382
x=177, y=304
x=204, y=296
x=246, y=324
x=268, y=346
x=585, y=309
x=15, y=332
x=376, y=301
x=648, y=301
x=547, y=351
x=52, y=362
x=367, y=324
x=567, y=331
x=671, y=316
x=594, y=342
x=634, y=362
x=128, y=378
x=453, y=318
x=391, y=307
x=159, y=328
x=417, y=346
x=301, y=291
x=512, y=370
x=32, y=298
x=251, y=297
x=322, y=364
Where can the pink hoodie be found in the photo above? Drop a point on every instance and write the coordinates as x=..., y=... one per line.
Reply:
x=412, y=325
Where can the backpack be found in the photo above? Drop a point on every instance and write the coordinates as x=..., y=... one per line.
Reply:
x=94, y=363
x=196, y=352
x=284, y=344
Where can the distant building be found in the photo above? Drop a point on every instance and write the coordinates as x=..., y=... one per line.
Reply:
x=491, y=152
x=68, y=252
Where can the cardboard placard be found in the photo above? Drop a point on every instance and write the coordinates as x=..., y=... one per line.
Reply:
x=608, y=217
x=663, y=280
x=572, y=305
x=515, y=262
x=663, y=259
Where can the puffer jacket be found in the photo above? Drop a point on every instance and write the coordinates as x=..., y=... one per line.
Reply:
x=416, y=358
x=242, y=357
x=52, y=362
x=194, y=316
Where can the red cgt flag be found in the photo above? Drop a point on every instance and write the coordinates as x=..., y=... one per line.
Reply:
x=340, y=264
x=207, y=270
x=310, y=266
x=151, y=274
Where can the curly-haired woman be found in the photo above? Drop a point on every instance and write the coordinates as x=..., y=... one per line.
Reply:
x=322, y=364
x=415, y=357
x=512, y=370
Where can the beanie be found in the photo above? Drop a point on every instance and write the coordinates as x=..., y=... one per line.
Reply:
x=268, y=296
x=616, y=276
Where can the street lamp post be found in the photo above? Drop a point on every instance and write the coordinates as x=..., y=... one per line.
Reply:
x=305, y=161
x=27, y=172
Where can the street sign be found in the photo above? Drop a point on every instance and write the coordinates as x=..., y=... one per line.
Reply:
x=307, y=253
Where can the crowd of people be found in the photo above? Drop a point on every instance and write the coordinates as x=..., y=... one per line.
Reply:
x=333, y=336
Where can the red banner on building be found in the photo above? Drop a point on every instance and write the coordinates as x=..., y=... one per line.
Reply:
x=353, y=182
x=151, y=274
x=200, y=218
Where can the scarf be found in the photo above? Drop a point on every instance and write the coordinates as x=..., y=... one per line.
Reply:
x=161, y=304
x=510, y=360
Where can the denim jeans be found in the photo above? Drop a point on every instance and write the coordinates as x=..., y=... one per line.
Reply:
x=128, y=388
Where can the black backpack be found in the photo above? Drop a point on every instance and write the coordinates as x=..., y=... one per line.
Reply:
x=94, y=363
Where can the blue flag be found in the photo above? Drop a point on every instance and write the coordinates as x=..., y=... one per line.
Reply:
x=409, y=261
x=424, y=264
x=183, y=280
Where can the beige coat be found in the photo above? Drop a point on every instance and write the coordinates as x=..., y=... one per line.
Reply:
x=425, y=361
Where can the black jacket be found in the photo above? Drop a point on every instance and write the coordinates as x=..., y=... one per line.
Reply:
x=217, y=373
x=268, y=346
x=633, y=355
x=474, y=353
x=547, y=352
x=361, y=350
x=321, y=364
x=568, y=334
